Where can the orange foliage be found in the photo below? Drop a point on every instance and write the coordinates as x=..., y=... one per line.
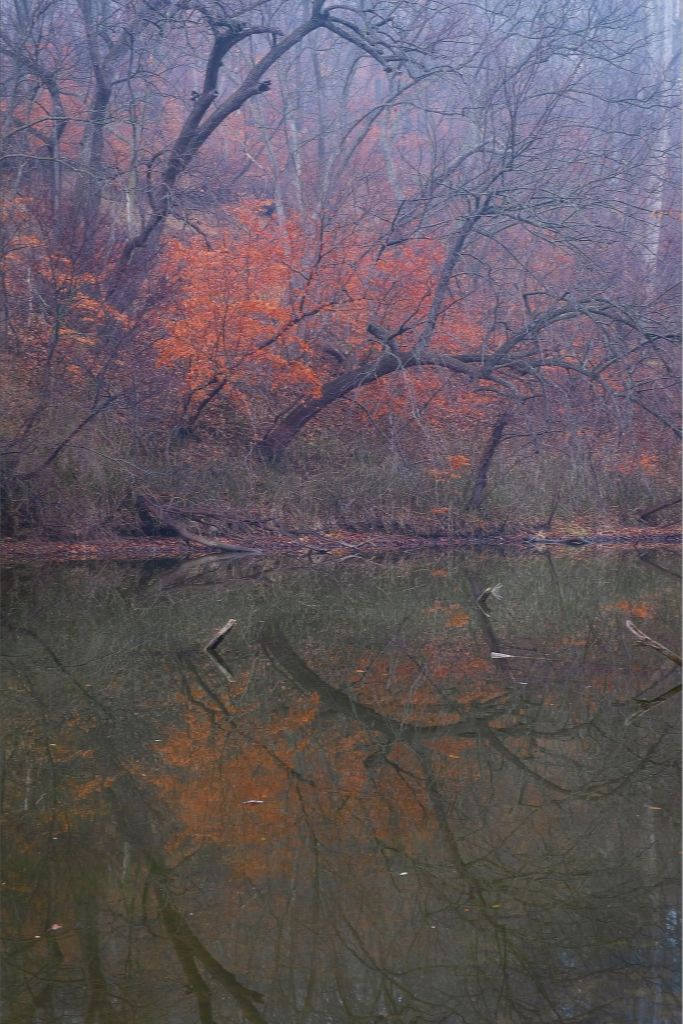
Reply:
x=234, y=301
x=56, y=312
x=632, y=609
x=457, y=617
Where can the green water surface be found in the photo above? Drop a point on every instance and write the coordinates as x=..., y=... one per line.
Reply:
x=357, y=813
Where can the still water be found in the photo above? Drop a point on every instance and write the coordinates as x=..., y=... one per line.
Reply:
x=357, y=814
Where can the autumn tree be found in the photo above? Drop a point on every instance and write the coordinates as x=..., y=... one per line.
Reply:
x=438, y=223
x=527, y=190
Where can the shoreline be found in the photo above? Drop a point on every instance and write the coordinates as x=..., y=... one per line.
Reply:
x=336, y=545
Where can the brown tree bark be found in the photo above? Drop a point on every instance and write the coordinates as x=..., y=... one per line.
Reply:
x=272, y=445
x=476, y=497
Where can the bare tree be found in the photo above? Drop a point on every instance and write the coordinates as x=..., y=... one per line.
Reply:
x=529, y=196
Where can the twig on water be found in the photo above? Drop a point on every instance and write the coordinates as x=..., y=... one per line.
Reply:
x=495, y=591
x=220, y=635
x=643, y=640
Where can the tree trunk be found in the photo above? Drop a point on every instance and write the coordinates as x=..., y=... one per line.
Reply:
x=476, y=498
x=272, y=446
x=646, y=513
x=275, y=441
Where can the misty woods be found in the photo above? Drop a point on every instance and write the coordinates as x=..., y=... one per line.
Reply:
x=396, y=257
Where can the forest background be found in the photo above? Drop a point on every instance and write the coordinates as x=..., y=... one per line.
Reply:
x=397, y=265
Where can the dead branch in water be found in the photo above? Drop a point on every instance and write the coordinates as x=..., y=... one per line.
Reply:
x=495, y=591
x=218, y=637
x=220, y=665
x=647, y=705
x=643, y=640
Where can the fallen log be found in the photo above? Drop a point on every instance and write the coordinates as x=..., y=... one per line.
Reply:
x=573, y=542
x=210, y=542
x=152, y=512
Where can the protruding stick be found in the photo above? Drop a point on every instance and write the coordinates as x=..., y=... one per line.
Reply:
x=496, y=591
x=220, y=635
x=646, y=641
x=220, y=665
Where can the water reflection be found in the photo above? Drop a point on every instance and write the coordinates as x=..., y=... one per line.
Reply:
x=360, y=816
